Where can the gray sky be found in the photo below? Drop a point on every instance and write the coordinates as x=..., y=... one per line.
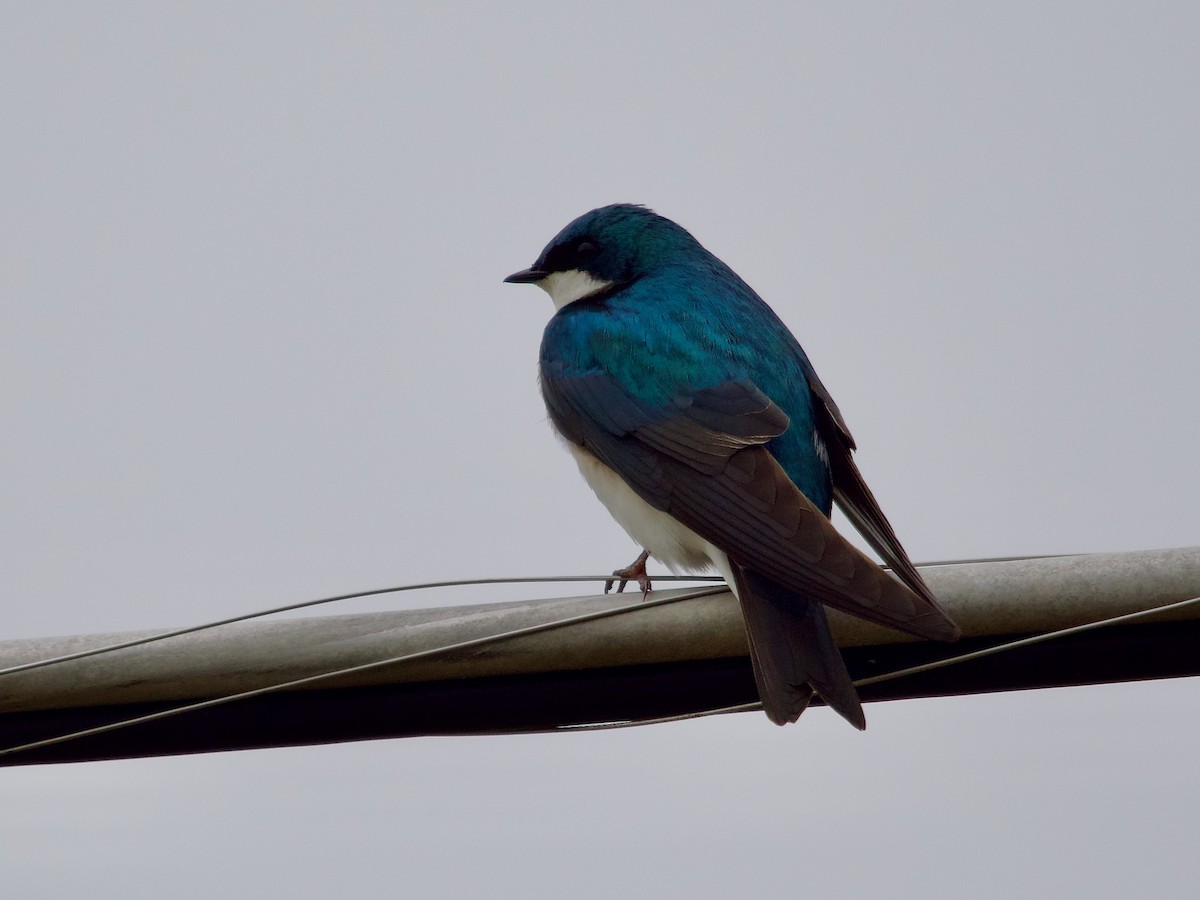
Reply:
x=255, y=349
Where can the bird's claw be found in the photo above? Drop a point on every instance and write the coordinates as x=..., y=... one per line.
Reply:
x=635, y=571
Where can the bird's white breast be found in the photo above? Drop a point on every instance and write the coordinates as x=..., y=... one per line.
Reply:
x=668, y=540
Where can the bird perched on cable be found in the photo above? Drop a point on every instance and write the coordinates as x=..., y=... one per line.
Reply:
x=697, y=419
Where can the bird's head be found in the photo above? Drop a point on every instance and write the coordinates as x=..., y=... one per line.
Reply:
x=607, y=247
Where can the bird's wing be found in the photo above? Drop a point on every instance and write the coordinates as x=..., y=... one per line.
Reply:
x=852, y=495
x=702, y=459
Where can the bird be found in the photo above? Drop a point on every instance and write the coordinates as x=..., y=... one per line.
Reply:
x=697, y=419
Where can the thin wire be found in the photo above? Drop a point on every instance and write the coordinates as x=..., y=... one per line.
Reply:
x=990, y=559
x=661, y=720
x=539, y=579
x=363, y=667
x=1024, y=642
x=192, y=629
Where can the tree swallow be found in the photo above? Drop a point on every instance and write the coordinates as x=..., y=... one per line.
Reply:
x=697, y=419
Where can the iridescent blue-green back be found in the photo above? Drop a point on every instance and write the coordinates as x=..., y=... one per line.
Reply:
x=684, y=322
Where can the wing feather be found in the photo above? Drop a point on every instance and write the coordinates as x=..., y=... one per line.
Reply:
x=854, y=497
x=702, y=459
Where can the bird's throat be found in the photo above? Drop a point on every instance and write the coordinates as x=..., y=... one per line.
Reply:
x=565, y=288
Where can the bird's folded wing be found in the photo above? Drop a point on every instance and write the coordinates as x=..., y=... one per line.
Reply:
x=853, y=496
x=701, y=458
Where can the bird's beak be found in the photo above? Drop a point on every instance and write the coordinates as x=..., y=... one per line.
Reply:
x=531, y=275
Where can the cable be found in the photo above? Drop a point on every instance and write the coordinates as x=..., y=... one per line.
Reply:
x=531, y=629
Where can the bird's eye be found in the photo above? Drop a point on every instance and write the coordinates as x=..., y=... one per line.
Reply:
x=585, y=250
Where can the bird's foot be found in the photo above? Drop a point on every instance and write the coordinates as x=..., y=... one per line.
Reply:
x=635, y=571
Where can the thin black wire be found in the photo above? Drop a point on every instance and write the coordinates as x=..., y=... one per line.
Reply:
x=192, y=629
x=1025, y=642
x=936, y=563
x=304, y=604
x=648, y=603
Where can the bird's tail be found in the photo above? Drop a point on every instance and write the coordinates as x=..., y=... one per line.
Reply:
x=793, y=652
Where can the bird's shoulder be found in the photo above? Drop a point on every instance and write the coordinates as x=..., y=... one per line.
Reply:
x=663, y=345
x=675, y=331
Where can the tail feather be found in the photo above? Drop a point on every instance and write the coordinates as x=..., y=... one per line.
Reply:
x=793, y=652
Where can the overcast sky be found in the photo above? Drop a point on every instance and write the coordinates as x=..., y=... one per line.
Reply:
x=255, y=349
